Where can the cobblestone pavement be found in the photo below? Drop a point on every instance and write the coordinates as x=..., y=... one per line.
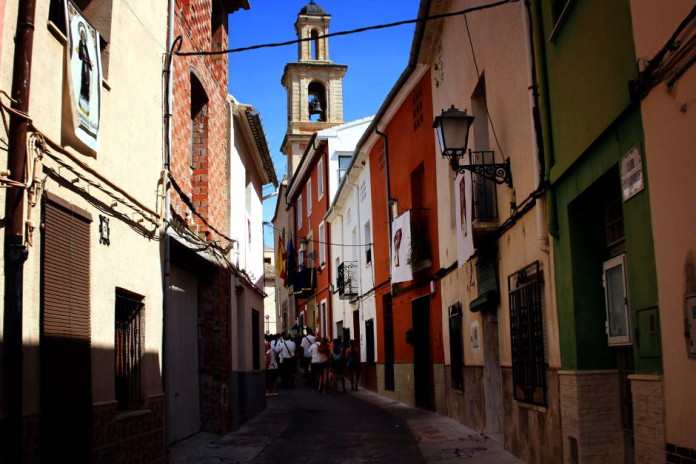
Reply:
x=301, y=425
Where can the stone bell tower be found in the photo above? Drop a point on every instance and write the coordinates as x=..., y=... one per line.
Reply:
x=314, y=84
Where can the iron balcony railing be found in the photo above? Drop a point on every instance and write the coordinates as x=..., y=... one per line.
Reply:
x=484, y=204
x=346, y=280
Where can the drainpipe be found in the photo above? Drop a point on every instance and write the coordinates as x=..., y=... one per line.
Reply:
x=166, y=265
x=386, y=173
x=15, y=249
x=537, y=142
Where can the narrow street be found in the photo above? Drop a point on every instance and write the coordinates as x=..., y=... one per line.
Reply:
x=355, y=427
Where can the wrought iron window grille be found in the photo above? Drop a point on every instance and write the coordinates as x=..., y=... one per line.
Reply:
x=527, y=334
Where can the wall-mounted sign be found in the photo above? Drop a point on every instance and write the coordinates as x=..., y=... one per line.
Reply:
x=401, y=241
x=84, y=76
x=465, y=239
x=631, y=173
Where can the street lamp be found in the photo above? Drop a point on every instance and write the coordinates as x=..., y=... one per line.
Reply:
x=452, y=127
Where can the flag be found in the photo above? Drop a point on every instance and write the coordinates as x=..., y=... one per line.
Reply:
x=280, y=261
x=290, y=264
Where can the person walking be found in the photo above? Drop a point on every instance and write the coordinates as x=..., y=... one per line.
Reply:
x=353, y=364
x=323, y=356
x=338, y=364
x=307, y=341
x=286, y=351
x=271, y=371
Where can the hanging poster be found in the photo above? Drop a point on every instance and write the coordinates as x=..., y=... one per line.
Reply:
x=84, y=76
x=465, y=239
x=401, y=241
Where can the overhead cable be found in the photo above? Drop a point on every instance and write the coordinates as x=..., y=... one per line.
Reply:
x=352, y=31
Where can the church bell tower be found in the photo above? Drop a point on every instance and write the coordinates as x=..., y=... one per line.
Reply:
x=314, y=84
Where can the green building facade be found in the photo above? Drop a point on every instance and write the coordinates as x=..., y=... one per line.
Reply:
x=605, y=273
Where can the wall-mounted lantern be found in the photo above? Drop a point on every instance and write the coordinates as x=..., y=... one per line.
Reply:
x=452, y=127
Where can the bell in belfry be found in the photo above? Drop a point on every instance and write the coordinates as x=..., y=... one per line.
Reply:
x=315, y=107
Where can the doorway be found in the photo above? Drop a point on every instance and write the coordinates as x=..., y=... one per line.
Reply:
x=183, y=414
x=422, y=364
x=492, y=385
x=356, y=327
x=388, y=342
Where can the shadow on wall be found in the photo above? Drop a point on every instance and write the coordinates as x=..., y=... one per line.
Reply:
x=69, y=426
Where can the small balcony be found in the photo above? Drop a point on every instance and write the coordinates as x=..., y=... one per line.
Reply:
x=305, y=282
x=346, y=280
x=419, y=252
x=484, y=200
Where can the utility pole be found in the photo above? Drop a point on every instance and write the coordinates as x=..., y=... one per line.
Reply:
x=15, y=250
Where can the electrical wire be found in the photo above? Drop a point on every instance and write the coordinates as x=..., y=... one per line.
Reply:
x=193, y=209
x=352, y=31
x=270, y=226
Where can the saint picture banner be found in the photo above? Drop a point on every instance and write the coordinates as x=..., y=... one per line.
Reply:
x=84, y=73
x=401, y=242
x=465, y=239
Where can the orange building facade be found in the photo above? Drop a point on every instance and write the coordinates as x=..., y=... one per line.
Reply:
x=308, y=196
x=410, y=350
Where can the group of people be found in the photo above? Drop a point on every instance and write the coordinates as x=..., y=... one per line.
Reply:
x=323, y=362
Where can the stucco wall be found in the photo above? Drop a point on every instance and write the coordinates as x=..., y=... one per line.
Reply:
x=668, y=122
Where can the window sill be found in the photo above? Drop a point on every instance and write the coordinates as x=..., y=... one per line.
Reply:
x=127, y=414
x=533, y=407
x=57, y=33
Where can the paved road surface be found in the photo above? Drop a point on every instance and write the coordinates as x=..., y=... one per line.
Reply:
x=300, y=425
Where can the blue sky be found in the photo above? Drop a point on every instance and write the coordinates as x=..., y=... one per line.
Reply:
x=375, y=60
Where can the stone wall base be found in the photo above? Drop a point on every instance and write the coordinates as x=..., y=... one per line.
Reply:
x=591, y=417
x=648, y=418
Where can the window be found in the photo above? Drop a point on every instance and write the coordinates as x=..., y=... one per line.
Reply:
x=309, y=196
x=370, y=340
x=484, y=206
x=616, y=299
x=97, y=12
x=335, y=273
x=299, y=211
x=368, y=245
x=256, y=339
x=456, y=346
x=322, y=246
x=129, y=343
x=198, y=141
x=314, y=44
x=320, y=178
x=527, y=335
x=343, y=164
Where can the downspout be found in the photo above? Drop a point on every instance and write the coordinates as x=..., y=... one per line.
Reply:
x=389, y=199
x=166, y=264
x=537, y=141
x=536, y=37
x=15, y=249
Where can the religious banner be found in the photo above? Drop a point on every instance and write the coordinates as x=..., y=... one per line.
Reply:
x=465, y=239
x=401, y=242
x=84, y=76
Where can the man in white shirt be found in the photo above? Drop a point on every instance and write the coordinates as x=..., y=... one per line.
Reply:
x=307, y=342
x=288, y=362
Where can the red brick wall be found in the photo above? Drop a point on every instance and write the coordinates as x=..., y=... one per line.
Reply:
x=214, y=323
x=199, y=165
x=205, y=181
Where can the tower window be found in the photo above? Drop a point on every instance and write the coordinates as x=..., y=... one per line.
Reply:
x=316, y=96
x=314, y=44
